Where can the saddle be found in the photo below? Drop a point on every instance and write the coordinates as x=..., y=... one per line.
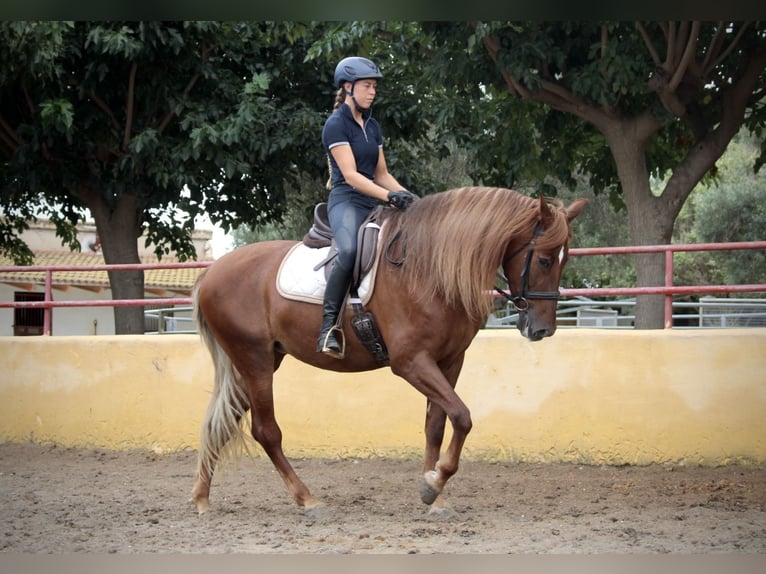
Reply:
x=320, y=235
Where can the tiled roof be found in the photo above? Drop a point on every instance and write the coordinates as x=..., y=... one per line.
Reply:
x=180, y=280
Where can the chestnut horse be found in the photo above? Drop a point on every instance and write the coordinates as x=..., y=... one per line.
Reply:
x=432, y=292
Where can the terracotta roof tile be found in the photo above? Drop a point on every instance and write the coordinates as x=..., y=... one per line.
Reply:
x=179, y=279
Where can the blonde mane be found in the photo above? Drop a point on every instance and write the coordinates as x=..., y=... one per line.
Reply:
x=455, y=241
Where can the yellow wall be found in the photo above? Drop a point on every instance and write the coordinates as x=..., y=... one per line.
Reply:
x=591, y=396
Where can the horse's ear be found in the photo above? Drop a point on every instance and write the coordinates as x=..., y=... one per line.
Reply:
x=575, y=208
x=546, y=213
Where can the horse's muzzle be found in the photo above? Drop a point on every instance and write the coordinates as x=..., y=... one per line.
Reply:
x=540, y=334
x=533, y=332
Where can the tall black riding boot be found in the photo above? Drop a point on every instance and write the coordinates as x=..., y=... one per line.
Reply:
x=334, y=296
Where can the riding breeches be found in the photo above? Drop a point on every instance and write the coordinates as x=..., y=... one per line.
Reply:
x=346, y=215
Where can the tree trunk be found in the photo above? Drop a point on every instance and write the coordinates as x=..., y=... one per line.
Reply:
x=651, y=218
x=650, y=225
x=119, y=230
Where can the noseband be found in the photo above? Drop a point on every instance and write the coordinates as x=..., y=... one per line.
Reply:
x=521, y=301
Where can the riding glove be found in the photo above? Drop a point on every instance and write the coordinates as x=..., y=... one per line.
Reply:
x=401, y=199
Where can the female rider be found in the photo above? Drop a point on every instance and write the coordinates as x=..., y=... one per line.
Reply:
x=359, y=179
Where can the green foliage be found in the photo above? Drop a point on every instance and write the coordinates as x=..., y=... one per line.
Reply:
x=10, y=242
x=97, y=113
x=734, y=209
x=224, y=118
x=730, y=209
x=599, y=225
x=295, y=221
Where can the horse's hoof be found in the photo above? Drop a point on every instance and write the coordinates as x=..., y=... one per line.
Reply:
x=202, y=504
x=428, y=492
x=439, y=512
x=315, y=510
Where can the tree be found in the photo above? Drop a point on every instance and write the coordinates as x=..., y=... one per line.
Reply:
x=296, y=219
x=412, y=112
x=598, y=226
x=733, y=208
x=136, y=122
x=117, y=118
x=423, y=159
x=622, y=102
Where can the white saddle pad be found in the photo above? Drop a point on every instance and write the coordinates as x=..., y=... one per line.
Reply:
x=297, y=280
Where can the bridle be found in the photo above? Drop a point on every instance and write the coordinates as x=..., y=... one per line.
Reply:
x=521, y=301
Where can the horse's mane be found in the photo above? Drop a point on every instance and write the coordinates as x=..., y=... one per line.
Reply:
x=455, y=241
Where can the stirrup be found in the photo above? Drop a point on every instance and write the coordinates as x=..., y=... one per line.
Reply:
x=341, y=337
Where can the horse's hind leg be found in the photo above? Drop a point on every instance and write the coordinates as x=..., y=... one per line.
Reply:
x=228, y=404
x=267, y=432
x=201, y=490
x=216, y=433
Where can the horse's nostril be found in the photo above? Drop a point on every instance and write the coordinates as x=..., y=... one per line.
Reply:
x=541, y=333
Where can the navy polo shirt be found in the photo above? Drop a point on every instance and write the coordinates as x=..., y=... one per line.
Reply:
x=341, y=129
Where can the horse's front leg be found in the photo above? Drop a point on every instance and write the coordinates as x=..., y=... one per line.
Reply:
x=434, y=480
x=437, y=385
x=436, y=420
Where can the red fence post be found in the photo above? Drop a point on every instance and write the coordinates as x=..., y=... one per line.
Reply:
x=669, y=283
x=48, y=310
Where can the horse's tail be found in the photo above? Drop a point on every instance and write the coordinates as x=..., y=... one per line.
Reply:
x=221, y=434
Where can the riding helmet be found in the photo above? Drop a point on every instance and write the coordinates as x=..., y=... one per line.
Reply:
x=355, y=68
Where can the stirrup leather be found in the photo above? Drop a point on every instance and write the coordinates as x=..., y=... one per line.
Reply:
x=341, y=337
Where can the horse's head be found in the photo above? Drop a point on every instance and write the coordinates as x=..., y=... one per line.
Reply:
x=533, y=266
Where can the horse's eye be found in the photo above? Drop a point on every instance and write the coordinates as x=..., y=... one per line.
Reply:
x=545, y=262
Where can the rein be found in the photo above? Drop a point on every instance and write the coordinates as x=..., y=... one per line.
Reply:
x=521, y=301
x=389, y=249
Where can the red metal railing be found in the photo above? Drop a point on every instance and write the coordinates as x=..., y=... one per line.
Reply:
x=48, y=303
x=668, y=289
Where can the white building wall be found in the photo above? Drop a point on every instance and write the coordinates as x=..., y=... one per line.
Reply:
x=66, y=320
x=83, y=320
